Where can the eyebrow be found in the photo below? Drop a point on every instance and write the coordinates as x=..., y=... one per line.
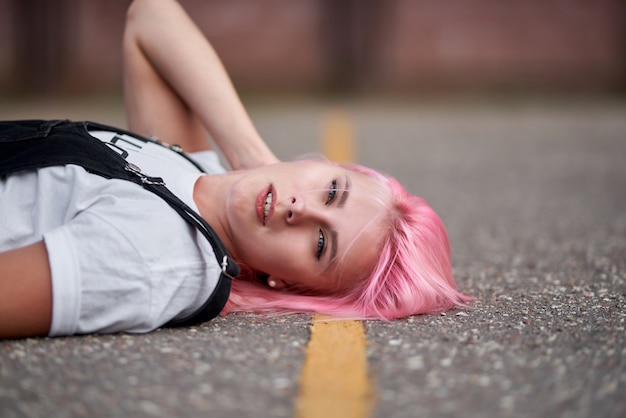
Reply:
x=333, y=234
x=346, y=192
x=333, y=247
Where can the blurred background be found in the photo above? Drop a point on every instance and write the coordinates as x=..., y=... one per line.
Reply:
x=507, y=116
x=390, y=47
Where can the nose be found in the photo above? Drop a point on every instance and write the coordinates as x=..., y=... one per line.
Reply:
x=299, y=211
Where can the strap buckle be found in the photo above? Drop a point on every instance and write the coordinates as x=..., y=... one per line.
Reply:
x=157, y=181
x=225, y=268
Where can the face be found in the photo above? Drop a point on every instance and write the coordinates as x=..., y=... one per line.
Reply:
x=308, y=224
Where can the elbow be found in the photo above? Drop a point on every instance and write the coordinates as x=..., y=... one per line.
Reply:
x=135, y=9
x=140, y=10
x=138, y=14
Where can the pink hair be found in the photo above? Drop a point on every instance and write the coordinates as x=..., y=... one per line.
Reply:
x=413, y=274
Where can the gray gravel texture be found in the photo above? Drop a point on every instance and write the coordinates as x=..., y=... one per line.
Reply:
x=534, y=198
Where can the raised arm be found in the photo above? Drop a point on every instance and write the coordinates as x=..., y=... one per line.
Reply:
x=25, y=292
x=176, y=86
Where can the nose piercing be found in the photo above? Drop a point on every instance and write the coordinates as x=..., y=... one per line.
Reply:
x=271, y=283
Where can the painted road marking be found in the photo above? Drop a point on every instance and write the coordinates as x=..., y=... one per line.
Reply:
x=334, y=381
x=338, y=137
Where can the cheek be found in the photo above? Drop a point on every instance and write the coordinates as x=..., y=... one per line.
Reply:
x=235, y=204
x=286, y=259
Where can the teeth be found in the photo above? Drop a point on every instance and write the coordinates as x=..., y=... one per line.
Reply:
x=267, y=205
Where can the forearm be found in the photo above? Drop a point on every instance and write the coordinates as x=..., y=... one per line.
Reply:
x=25, y=292
x=184, y=58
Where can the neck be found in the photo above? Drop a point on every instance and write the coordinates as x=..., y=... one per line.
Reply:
x=210, y=193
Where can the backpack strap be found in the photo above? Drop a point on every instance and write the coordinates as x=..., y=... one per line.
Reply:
x=32, y=144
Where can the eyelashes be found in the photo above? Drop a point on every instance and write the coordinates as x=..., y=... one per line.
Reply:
x=332, y=192
x=321, y=244
x=331, y=195
x=321, y=238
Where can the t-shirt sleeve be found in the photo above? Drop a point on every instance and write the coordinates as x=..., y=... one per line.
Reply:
x=99, y=282
x=126, y=265
x=209, y=161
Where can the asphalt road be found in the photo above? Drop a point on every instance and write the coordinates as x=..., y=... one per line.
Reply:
x=534, y=198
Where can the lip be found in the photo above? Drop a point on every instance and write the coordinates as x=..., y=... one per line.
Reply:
x=260, y=201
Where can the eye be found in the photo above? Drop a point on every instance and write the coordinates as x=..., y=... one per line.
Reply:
x=321, y=244
x=332, y=192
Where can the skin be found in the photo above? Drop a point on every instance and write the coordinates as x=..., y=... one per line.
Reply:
x=176, y=88
x=325, y=226
x=25, y=292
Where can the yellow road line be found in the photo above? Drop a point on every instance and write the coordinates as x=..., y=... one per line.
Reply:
x=338, y=137
x=334, y=380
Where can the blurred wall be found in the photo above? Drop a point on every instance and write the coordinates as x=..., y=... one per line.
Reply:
x=73, y=46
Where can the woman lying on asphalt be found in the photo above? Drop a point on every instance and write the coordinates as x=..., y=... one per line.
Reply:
x=90, y=242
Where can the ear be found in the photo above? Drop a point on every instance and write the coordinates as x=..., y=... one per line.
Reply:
x=276, y=283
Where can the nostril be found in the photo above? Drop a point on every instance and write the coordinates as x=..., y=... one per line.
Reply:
x=290, y=215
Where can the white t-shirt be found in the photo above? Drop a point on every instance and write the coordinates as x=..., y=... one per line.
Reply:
x=121, y=259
